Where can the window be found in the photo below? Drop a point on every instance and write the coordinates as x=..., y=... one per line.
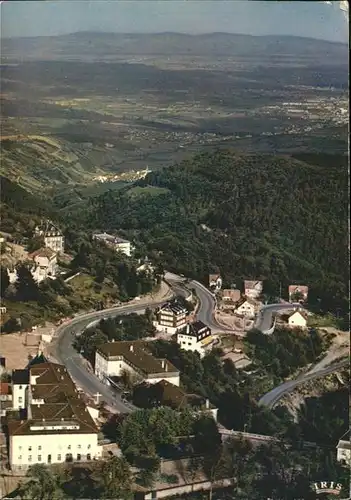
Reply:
x=20, y=447
x=79, y=447
x=20, y=400
x=19, y=457
x=89, y=446
x=39, y=447
x=20, y=387
x=69, y=447
x=39, y=458
x=29, y=448
x=29, y=458
x=58, y=457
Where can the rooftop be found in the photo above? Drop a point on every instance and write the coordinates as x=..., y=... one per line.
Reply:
x=62, y=405
x=48, y=228
x=252, y=284
x=42, y=252
x=244, y=299
x=171, y=395
x=135, y=353
x=302, y=313
x=20, y=377
x=195, y=328
x=110, y=238
x=174, y=307
x=5, y=389
x=300, y=288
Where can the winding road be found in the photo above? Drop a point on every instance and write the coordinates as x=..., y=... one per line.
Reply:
x=62, y=349
x=272, y=397
x=264, y=320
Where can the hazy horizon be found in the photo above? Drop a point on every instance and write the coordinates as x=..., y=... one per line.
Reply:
x=310, y=19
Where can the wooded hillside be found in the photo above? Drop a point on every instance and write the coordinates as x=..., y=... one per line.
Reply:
x=249, y=216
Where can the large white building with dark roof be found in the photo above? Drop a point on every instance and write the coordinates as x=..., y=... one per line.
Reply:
x=196, y=337
x=118, y=244
x=113, y=358
x=49, y=422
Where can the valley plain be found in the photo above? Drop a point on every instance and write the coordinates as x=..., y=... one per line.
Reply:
x=83, y=108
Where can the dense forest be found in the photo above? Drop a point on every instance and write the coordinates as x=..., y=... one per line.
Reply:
x=249, y=216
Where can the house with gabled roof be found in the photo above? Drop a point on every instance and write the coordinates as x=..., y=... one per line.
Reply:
x=114, y=358
x=164, y=393
x=343, y=449
x=298, y=319
x=49, y=421
x=253, y=288
x=171, y=317
x=196, y=337
x=246, y=307
x=298, y=293
x=52, y=235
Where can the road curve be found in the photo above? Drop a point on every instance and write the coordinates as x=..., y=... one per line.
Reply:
x=272, y=397
x=63, y=351
x=264, y=320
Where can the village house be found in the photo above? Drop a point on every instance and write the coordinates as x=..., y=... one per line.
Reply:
x=45, y=264
x=118, y=244
x=171, y=317
x=196, y=337
x=49, y=421
x=298, y=293
x=215, y=281
x=230, y=296
x=343, y=449
x=42, y=264
x=112, y=359
x=246, y=307
x=297, y=319
x=53, y=237
x=253, y=289
x=5, y=398
x=167, y=394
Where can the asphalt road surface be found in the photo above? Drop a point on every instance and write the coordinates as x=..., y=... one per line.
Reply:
x=63, y=351
x=272, y=397
x=264, y=320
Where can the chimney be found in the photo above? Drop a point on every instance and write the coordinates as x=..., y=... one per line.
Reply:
x=207, y=404
x=187, y=328
x=163, y=363
x=131, y=348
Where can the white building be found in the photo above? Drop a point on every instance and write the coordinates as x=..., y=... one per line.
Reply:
x=196, y=337
x=45, y=264
x=171, y=317
x=245, y=307
x=53, y=237
x=343, y=449
x=118, y=244
x=49, y=422
x=297, y=319
x=42, y=264
x=253, y=289
x=113, y=358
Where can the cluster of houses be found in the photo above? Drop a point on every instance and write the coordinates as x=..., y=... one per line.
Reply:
x=246, y=304
x=43, y=262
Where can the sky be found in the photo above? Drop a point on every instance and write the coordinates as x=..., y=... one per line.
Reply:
x=41, y=18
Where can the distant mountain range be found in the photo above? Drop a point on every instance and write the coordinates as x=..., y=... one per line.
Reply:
x=111, y=46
